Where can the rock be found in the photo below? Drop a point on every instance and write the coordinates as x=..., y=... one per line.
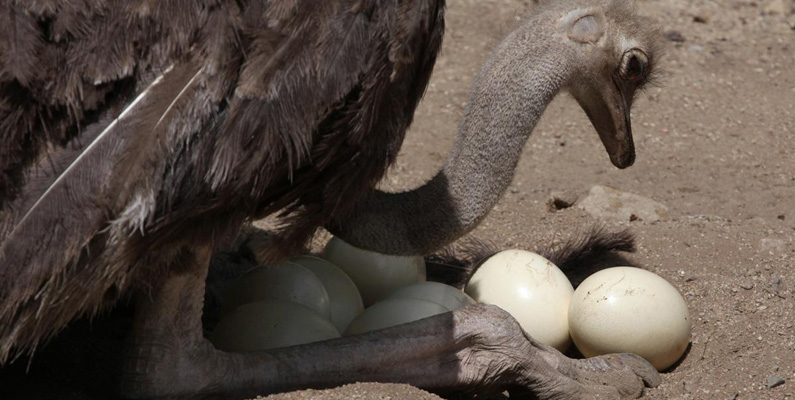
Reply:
x=772, y=246
x=610, y=204
x=773, y=381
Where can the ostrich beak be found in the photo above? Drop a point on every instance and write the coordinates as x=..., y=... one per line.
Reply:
x=608, y=111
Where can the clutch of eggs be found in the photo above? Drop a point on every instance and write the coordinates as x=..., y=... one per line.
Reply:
x=615, y=310
x=259, y=301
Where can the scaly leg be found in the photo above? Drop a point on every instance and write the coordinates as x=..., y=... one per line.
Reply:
x=476, y=349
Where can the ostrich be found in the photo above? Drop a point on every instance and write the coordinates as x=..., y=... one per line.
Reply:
x=139, y=136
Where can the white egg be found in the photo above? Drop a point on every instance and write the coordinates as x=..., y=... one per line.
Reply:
x=439, y=293
x=393, y=312
x=529, y=287
x=375, y=274
x=346, y=302
x=286, y=281
x=271, y=324
x=630, y=310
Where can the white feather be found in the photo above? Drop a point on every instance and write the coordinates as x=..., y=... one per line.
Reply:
x=181, y=92
x=91, y=146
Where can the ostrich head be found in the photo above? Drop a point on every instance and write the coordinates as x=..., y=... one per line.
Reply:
x=615, y=54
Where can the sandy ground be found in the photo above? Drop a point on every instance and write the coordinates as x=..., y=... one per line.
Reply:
x=714, y=144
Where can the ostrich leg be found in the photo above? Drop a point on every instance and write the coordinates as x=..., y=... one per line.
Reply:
x=477, y=349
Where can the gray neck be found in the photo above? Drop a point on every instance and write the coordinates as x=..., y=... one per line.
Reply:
x=508, y=97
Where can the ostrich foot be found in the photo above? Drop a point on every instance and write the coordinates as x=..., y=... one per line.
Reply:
x=480, y=349
x=611, y=376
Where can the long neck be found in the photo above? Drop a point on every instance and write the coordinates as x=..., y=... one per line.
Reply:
x=507, y=99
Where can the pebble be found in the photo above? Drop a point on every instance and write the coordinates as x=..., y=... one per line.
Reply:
x=773, y=381
x=560, y=200
x=674, y=36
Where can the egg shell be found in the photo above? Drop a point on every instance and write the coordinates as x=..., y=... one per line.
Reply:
x=529, y=287
x=393, y=312
x=271, y=324
x=346, y=302
x=375, y=274
x=286, y=282
x=439, y=293
x=630, y=310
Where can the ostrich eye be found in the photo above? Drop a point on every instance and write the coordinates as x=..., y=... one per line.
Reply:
x=635, y=69
x=634, y=66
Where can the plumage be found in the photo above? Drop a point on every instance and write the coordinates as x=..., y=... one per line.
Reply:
x=135, y=131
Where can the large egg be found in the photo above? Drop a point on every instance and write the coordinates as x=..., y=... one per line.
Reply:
x=375, y=274
x=630, y=310
x=392, y=312
x=271, y=324
x=286, y=281
x=529, y=287
x=346, y=302
x=439, y=293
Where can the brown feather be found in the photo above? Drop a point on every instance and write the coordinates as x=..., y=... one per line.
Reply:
x=20, y=41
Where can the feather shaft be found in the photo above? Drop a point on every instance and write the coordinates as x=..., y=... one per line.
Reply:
x=179, y=96
x=90, y=147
